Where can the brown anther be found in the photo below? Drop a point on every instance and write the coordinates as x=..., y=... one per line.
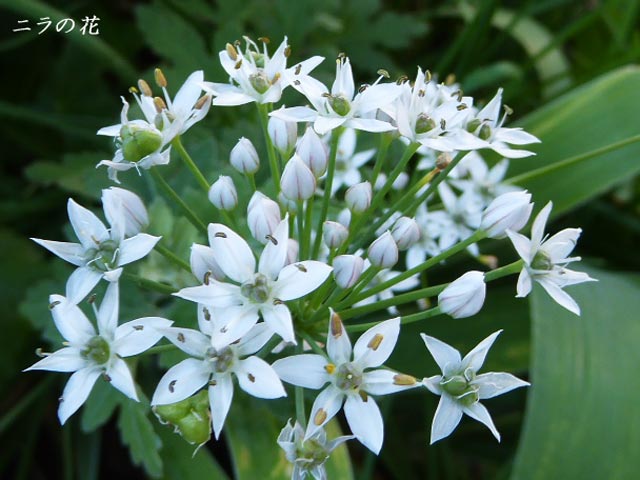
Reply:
x=145, y=88
x=207, y=314
x=202, y=101
x=461, y=107
x=106, y=377
x=450, y=80
x=443, y=160
x=330, y=368
x=421, y=93
x=363, y=395
x=220, y=235
x=287, y=51
x=138, y=328
x=298, y=69
x=427, y=75
x=92, y=298
x=402, y=379
x=223, y=329
x=336, y=325
x=277, y=301
x=207, y=277
x=507, y=109
x=251, y=378
x=363, y=87
x=161, y=80
x=301, y=267
x=401, y=79
x=172, y=385
x=296, y=82
x=238, y=64
x=320, y=417
x=326, y=95
x=443, y=124
x=342, y=55
x=375, y=342
x=383, y=72
x=232, y=52
x=264, y=40
x=181, y=337
x=212, y=383
x=159, y=104
x=272, y=239
x=52, y=305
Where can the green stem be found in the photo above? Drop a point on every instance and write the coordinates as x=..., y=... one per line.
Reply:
x=300, y=220
x=307, y=229
x=159, y=349
x=312, y=343
x=299, y=393
x=172, y=257
x=172, y=195
x=252, y=181
x=263, y=113
x=14, y=413
x=150, y=284
x=191, y=165
x=383, y=148
x=510, y=269
x=415, y=317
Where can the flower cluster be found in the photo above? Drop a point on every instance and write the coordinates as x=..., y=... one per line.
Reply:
x=344, y=235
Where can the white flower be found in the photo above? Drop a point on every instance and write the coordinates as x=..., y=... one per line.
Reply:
x=244, y=158
x=465, y=212
x=464, y=296
x=313, y=152
x=383, y=252
x=509, y=211
x=101, y=251
x=545, y=260
x=348, y=372
x=358, y=197
x=334, y=234
x=484, y=182
x=342, y=106
x=223, y=194
x=283, y=134
x=347, y=270
x=214, y=366
x=383, y=277
x=90, y=354
x=256, y=77
x=298, y=181
x=249, y=294
x=460, y=388
x=116, y=201
x=308, y=456
x=405, y=232
x=435, y=228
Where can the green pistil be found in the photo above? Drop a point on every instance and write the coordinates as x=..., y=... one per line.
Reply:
x=138, y=142
x=104, y=257
x=348, y=377
x=424, y=123
x=541, y=261
x=340, y=104
x=257, y=291
x=97, y=350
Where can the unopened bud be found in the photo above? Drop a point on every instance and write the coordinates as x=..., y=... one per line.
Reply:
x=244, y=157
x=347, y=270
x=509, y=211
x=344, y=217
x=118, y=201
x=405, y=232
x=283, y=134
x=401, y=181
x=297, y=181
x=463, y=297
x=424, y=123
x=263, y=216
x=190, y=417
x=160, y=78
x=358, y=197
x=223, y=194
x=383, y=252
x=293, y=248
x=287, y=204
x=313, y=152
x=334, y=234
x=443, y=160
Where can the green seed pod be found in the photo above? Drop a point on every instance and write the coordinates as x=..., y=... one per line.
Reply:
x=137, y=142
x=190, y=417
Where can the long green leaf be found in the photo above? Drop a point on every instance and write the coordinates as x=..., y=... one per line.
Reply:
x=582, y=416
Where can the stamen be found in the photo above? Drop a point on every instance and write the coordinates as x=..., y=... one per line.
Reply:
x=264, y=40
x=301, y=267
x=298, y=69
x=159, y=104
x=40, y=353
x=427, y=75
x=363, y=396
x=330, y=368
x=401, y=79
x=443, y=124
x=402, y=379
x=232, y=52
x=181, y=337
x=287, y=51
x=450, y=80
x=220, y=235
x=375, y=342
x=202, y=101
x=320, y=417
x=363, y=87
x=383, y=72
x=172, y=386
x=145, y=88
x=342, y=55
x=91, y=299
x=207, y=277
x=213, y=383
x=52, y=305
x=160, y=78
x=251, y=378
x=207, y=314
x=272, y=239
x=238, y=64
x=461, y=107
x=133, y=90
x=296, y=82
x=277, y=301
x=106, y=377
x=138, y=328
x=336, y=325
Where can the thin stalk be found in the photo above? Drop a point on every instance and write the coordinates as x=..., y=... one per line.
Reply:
x=150, y=284
x=415, y=317
x=14, y=413
x=159, y=349
x=229, y=220
x=312, y=343
x=252, y=181
x=191, y=165
x=308, y=220
x=172, y=257
x=510, y=269
x=172, y=195
x=300, y=221
x=363, y=281
x=299, y=393
x=263, y=113
x=383, y=148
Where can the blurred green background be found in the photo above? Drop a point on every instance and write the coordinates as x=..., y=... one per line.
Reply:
x=567, y=69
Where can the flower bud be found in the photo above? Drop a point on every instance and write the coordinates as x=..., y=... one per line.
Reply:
x=190, y=417
x=118, y=201
x=334, y=234
x=244, y=157
x=313, y=152
x=297, y=181
x=293, y=248
x=347, y=270
x=383, y=252
x=358, y=197
x=138, y=141
x=223, y=194
x=463, y=297
x=263, y=216
x=344, y=217
x=510, y=211
x=405, y=232
x=287, y=204
x=283, y=134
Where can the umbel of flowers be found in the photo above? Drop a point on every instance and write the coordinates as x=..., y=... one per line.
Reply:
x=344, y=235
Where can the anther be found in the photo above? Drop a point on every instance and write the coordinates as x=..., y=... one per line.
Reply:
x=330, y=368
x=264, y=40
x=383, y=73
x=160, y=78
x=238, y=64
x=450, y=80
x=159, y=104
x=202, y=101
x=421, y=93
x=172, y=386
x=507, y=109
x=181, y=337
x=287, y=51
x=320, y=417
x=40, y=353
x=443, y=124
x=326, y=95
x=301, y=267
x=461, y=107
x=52, y=305
x=401, y=79
x=402, y=379
x=375, y=342
x=298, y=69
x=133, y=90
x=272, y=239
x=336, y=325
x=427, y=75
x=277, y=301
x=342, y=55
x=296, y=82
x=251, y=378
x=232, y=52
x=145, y=88
x=107, y=377
x=138, y=328
x=207, y=314
x=363, y=395
x=207, y=277
x=220, y=235
x=91, y=299
x=363, y=87
x=212, y=383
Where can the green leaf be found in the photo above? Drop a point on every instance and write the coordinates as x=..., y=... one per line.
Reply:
x=582, y=416
x=586, y=147
x=136, y=431
x=100, y=405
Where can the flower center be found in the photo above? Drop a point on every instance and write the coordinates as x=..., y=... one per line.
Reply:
x=459, y=387
x=312, y=452
x=259, y=81
x=138, y=142
x=485, y=132
x=96, y=350
x=104, y=257
x=542, y=261
x=339, y=104
x=348, y=377
x=258, y=290
x=424, y=123
x=221, y=360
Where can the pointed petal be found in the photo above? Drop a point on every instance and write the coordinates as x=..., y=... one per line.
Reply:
x=374, y=346
x=444, y=355
x=298, y=279
x=76, y=391
x=306, y=370
x=478, y=412
x=324, y=124
x=383, y=382
x=232, y=253
x=134, y=248
x=108, y=311
x=446, y=418
x=70, y=321
x=203, y=261
x=89, y=229
x=136, y=336
x=258, y=378
x=560, y=245
x=524, y=286
x=232, y=99
x=369, y=125
x=365, y=421
x=220, y=397
x=81, y=282
x=537, y=230
x=295, y=114
x=324, y=408
x=493, y=384
x=338, y=343
x=190, y=341
x=181, y=381
x=561, y=297
x=515, y=136
x=278, y=317
x=239, y=320
x=522, y=245
x=491, y=110
x=222, y=295
x=475, y=358
x=433, y=384
x=343, y=84
x=255, y=339
x=275, y=252
x=188, y=94
x=66, y=359
x=71, y=252
x=376, y=96
x=120, y=377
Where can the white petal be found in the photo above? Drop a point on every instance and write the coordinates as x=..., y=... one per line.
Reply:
x=89, y=229
x=120, y=377
x=203, y=261
x=190, y=341
x=477, y=411
x=222, y=295
x=522, y=245
x=136, y=336
x=329, y=401
x=374, y=346
x=444, y=355
x=275, y=252
x=232, y=99
x=560, y=245
x=108, y=311
x=76, y=391
x=110, y=131
x=365, y=421
x=278, y=317
x=494, y=384
x=561, y=297
x=306, y=370
x=70, y=321
x=515, y=136
x=66, y=359
x=255, y=339
x=220, y=397
x=523, y=288
x=298, y=279
x=323, y=124
x=383, y=382
x=258, y=378
x=369, y=125
x=181, y=381
x=433, y=384
x=134, y=248
x=343, y=84
x=446, y=418
x=188, y=94
x=81, y=282
x=475, y=358
x=338, y=343
x=232, y=253
x=377, y=96
x=71, y=252
x=295, y=114
x=537, y=230
x=239, y=320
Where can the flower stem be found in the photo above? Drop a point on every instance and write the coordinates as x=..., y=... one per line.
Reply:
x=299, y=393
x=383, y=148
x=510, y=269
x=150, y=284
x=168, y=347
x=263, y=113
x=308, y=220
x=191, y=165
x=415, y=317
x=172, y=257
x=172, y=195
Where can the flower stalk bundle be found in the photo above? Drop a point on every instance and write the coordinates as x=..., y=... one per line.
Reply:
x=335, y=237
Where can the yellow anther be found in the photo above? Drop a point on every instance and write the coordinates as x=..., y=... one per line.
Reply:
x=232, y=52
x=145, y=88
x=202, y=101
x=320, y=417
x=363, y=395
x=330, y=368
x=159, y=104
x=160, y=78
x=375, y=342
x=402, y=379
x=336, y=325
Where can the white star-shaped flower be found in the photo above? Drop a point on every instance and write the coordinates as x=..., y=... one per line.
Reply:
x=102, y=251
x=461, y=389
x=90, y=354
x=249, y=294
x=350, y=376
x=545, y=260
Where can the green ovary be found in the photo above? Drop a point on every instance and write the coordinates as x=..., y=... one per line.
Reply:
x=97, y=350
